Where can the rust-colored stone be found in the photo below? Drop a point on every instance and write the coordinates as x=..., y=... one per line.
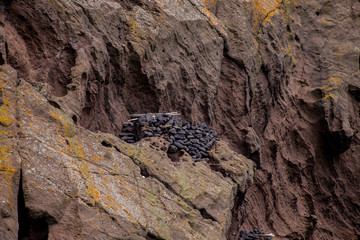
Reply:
x=279, y=80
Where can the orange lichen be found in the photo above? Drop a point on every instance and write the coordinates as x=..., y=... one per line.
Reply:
x=264, y=10
x=271, y=14
x=76, y=149
x=340, y=51
x=5, y=159
x=93, y=192
x=332, y=84
x=5, y=118
x=330, y=96
x=209, y=4
x=66, y=123
x=330, y=88
x=134, y=26
x=264, y=7
x=208, y=8
x=7, y=172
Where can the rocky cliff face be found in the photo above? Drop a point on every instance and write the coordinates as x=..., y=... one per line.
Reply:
x=277, y=79
x=61, y=181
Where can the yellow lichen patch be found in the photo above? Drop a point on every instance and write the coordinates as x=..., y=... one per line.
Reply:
x=264, y=10
x=288, y=51
x=264, y=7
x=93, y=192
x=134, y=26
x=209, y=4
x=207, y=8
x=332, y=84
x=330, y=88
x=330, y=96
x=7, y=171
x=5, y=159
x=94, y=189
x=66, y=123
x=271, y=14
x=76, y=149
x=7, y=134
x=340, y=51
x=5, y=117
x=344, y=51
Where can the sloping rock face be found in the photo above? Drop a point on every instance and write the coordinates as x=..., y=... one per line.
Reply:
x=278, y=79
x=60, y=181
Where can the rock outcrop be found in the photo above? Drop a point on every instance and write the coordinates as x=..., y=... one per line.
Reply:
x=277, y=79
x=61, y=181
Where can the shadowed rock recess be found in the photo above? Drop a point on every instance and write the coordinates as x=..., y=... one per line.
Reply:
x=277, y=80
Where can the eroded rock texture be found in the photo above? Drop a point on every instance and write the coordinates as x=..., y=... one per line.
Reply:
x=61, y=181
x=277, y=79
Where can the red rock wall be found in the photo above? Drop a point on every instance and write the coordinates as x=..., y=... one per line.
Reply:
x=279, y=80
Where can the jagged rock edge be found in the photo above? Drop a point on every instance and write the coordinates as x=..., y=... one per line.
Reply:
x=167, y=186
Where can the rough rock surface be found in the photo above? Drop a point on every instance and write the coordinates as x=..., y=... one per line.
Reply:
x=278, y=79
x=61, y=181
